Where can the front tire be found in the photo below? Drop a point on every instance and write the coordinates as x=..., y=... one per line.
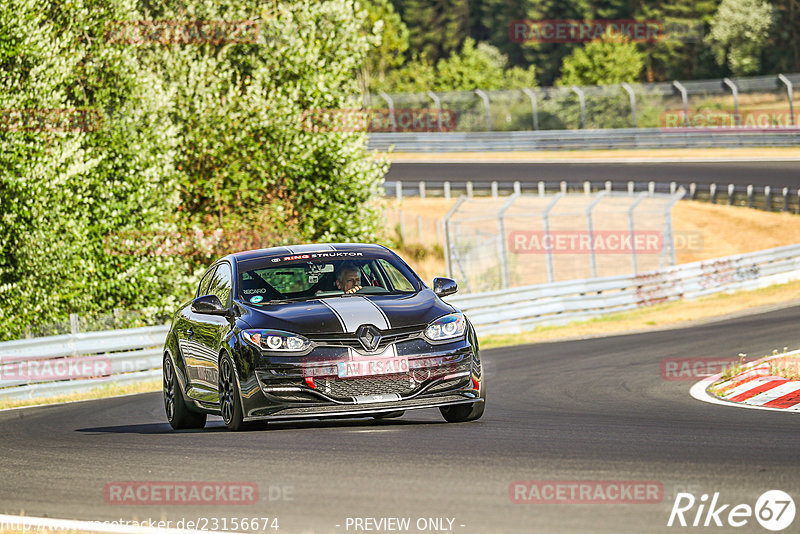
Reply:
x=464, y=413
x=230, y=404
x=178, y=414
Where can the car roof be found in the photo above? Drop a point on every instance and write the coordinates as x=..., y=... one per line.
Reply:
x=289, y=250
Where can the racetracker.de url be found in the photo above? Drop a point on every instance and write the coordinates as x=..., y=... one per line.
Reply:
x=219, y=524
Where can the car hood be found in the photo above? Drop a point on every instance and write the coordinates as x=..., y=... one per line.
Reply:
x=346, y=314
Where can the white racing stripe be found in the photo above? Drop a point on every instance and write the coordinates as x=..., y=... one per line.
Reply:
x=355, y=311
x=15, y=522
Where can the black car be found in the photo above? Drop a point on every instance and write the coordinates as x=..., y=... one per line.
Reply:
x=318, y=331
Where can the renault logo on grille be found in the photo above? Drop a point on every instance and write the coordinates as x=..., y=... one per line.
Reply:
x=368, y=336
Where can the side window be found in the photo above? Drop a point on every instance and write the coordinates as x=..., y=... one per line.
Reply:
x=202, y=289
x=397, y=279
x=221, y=284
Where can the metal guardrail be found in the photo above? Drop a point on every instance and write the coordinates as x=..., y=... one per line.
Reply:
x=620, y=138
x=41, y=367
x=523, y=308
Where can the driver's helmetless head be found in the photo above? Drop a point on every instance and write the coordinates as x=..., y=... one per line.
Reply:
x=349, y=277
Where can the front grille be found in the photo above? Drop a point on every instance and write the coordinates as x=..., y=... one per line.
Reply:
x=374, y=385
x=388, y=337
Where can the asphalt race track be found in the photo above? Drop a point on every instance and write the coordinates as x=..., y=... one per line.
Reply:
x=593, y=409
x=774, y=174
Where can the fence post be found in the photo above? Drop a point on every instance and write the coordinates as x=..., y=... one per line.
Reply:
x=422, y=189
x=74, y=323
x=789, y=92
x=469, y=189
x=446, y=227
x=632, y=96
x=632, y=230
x=731, y=192
x=679, y=86
x=749, y=196
x=712, y=192
x=446, y=187
x=590, y=228
x=785, y=199
x=398, y=190
x=582, y=103
x=438, y=105
x=402, y=226
x=494, y=189
x=485, y=99
x=517, y=188
x=534, y=107
x=540, y=187
x=501, y=228
x=419, y=228
x=390, y=103
x=546, y=225
x=735, y=91
x=767, y=199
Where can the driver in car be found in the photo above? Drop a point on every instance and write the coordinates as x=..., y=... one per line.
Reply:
x=348, y=279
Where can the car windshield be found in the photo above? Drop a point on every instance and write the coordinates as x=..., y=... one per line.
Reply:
x=306, y=276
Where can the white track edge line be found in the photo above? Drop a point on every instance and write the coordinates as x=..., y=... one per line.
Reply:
x=94, y=526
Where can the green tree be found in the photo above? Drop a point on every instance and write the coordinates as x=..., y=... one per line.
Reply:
x=601, y=62
x=437, y=28
x=389, y=52
x=739, y=32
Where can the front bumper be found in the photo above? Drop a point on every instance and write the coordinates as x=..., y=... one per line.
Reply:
x=289, y=387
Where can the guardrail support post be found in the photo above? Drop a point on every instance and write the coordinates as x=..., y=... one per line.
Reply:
x=692, y=190
x=767, y=198
x=517, y=188
x=422, y=189
x=398, y=190
x=631, y=186
x=494, y=189
x=712, y=192
x=749, y=196
x=731, y=191
x=632, y=96
x=587, y=188
x=651, y=188
x=485, y=99
x=540, y=187
x=534, y=107
x=563, y=187
x=785, y=199
x=390, y=103
x=735, y=90
x=582, y=102
x=789, y=91
x=673, y=186
x=438, y=105
x=685, y=98
x=446, y=187
x=608, y=185
x=469, y=190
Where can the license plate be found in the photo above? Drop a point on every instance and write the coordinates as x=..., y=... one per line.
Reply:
x=385, y=366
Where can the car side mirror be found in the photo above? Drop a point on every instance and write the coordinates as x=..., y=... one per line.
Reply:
x=209, y=305
x=444, y=286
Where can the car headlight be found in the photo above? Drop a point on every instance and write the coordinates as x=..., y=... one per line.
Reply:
x=447, y=327
x=276, y=340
